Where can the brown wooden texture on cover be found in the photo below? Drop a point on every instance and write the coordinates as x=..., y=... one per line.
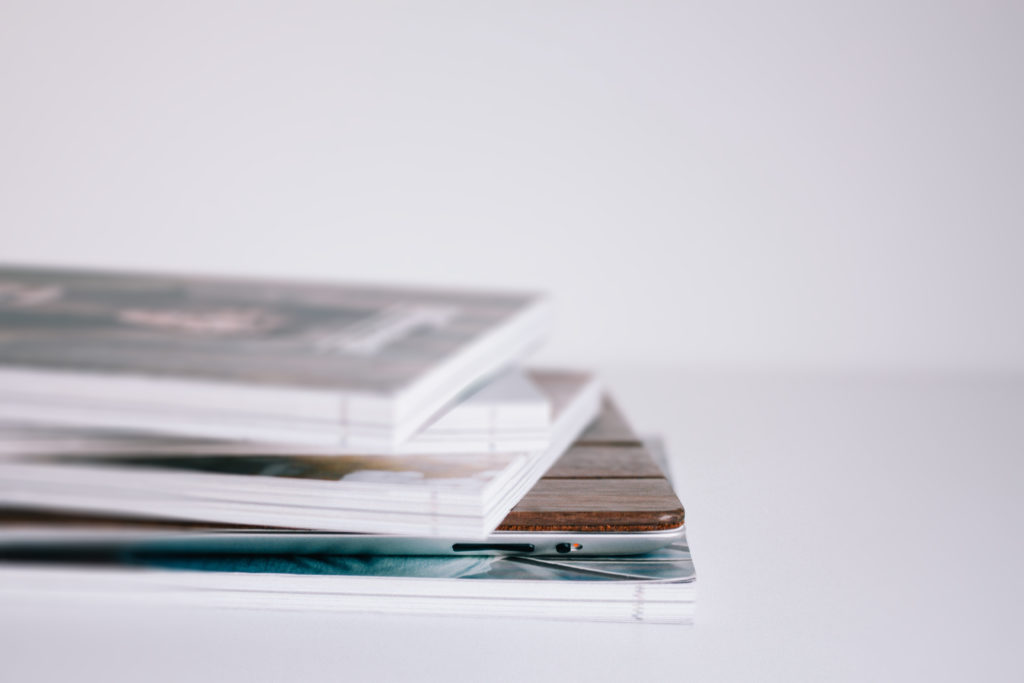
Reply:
x=607, y=481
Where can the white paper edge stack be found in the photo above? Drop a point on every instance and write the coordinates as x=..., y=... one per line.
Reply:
x=507, y=414
x=365, y=507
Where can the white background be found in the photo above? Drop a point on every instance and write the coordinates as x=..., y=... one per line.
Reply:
x=711, y=184
x=790, y=234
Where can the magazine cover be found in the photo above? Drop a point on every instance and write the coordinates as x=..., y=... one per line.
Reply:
x=361, y=339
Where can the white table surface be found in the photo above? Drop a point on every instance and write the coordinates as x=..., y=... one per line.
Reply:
x=845, y=527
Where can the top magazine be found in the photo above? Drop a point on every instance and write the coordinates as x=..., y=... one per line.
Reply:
x=250, y=359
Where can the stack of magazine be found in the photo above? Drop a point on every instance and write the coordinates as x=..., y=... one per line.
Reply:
x=171, y=439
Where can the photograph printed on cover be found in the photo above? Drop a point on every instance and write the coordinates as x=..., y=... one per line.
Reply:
x=361, y=338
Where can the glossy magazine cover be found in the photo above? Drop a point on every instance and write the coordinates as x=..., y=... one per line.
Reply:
x=357, y=338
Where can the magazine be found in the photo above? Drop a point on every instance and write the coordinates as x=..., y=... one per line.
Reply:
x=658, y=587
x=249, y=359
x=455, y=495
